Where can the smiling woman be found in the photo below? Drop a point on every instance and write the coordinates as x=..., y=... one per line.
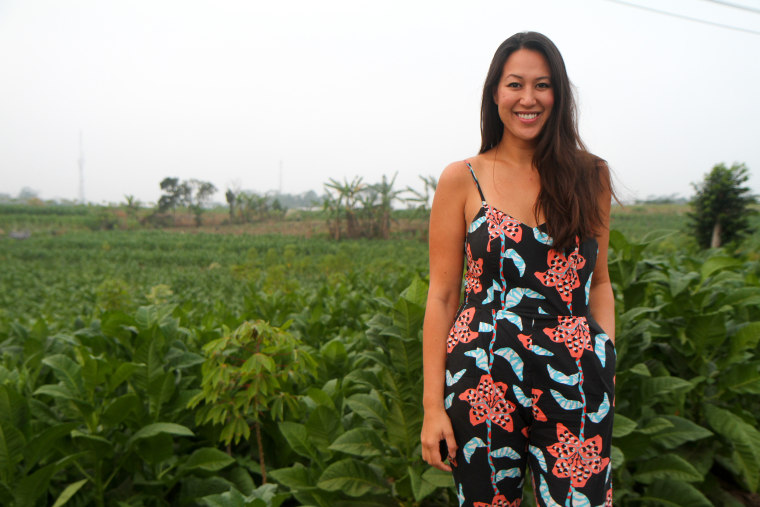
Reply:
x=522, y=372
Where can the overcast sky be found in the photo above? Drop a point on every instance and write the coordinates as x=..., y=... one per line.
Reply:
x=286, y=94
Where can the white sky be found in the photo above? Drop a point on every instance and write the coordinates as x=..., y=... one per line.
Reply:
x=226, y=91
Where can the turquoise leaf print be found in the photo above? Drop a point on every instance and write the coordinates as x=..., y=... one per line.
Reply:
x=448, y=401
x=505, y=452
x=516, y=259
x=588, y=287
x=471, y=446
x=545, y=495
x=490, y=292
x=510, y=472
x=481, y=360
x=540, y=351
x=539, y=455
x=602, y=411
x=511, y=317
x=460, y=496
x=453, y=379
x=475, y=224
x=580, y=500
x=599, y=342
x=558, y=376
x=564, y=402
x=515, y=295
x=485, y=327
x=521, y=398
x=514, y=360
x=542, y=237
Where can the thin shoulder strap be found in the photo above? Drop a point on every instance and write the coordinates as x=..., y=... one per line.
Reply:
x=483, y=199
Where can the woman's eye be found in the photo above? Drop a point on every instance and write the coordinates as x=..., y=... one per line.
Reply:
x=543, y=85
x=513, y=85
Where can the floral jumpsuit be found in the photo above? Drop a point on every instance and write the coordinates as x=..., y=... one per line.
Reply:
x=529, y=374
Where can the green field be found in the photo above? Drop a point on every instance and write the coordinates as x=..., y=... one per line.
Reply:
x=108, y=337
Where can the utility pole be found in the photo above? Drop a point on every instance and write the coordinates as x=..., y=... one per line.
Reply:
x=81, y=169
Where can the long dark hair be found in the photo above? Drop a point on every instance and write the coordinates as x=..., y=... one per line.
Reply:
x=572, y=179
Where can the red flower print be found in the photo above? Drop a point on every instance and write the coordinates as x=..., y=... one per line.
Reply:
x=526, y=340
x=474, y=270
x=608, y=501
x=563, y=273
x=538, y=414
x=488, y=402
x=500, y=223
x=498, y=501
x=573, y=331
x=460, y=331
x=576, y=459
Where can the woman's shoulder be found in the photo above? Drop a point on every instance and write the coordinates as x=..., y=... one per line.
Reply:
x=458, y=172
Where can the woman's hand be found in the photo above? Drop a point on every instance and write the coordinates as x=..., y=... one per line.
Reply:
x=436, y=426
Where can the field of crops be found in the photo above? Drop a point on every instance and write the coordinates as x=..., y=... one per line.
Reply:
x=147, y=367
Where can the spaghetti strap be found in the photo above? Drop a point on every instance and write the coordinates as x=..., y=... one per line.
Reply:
x=482, y=199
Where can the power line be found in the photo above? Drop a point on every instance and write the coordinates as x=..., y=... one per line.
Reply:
x=735, y=6
x=689, y=18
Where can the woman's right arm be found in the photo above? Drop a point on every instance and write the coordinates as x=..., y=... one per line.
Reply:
x=447, y=234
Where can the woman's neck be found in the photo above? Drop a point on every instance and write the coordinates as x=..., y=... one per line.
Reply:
x=516, y=153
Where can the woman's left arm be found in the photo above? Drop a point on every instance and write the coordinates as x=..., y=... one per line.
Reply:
x=601, y=299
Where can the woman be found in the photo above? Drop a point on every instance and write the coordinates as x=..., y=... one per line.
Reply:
x=522, y=372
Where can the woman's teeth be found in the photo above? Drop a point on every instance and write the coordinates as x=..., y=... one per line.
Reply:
x=527, y=116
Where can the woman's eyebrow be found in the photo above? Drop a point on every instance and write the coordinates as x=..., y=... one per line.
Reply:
x=520, y=77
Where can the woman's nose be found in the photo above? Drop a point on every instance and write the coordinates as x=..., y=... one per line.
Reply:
x=528, y=97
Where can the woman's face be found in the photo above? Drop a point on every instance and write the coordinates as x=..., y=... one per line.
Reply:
x=524, y=95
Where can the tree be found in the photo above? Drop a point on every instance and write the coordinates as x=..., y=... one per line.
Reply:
x=197, y=196
x=230, y=196
x=173, y=196
x=722, y=206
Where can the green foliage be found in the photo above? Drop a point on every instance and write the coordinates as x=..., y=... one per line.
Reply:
x=687, y=391
x=721, y=206
x=106, y=337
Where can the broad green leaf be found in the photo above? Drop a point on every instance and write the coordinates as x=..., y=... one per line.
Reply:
x=119, y=408
x=742, y=378
x=28, y=489
x=67, y=371
x=351, y=477
x=681, y=430
x=11, y=450
x=297, y=477
x=640, y=369
x=745, y=439
x=674, y=493
x=715, y=264
x=746, y=338
x=57, y=391
x=622, y=426
x=369, y=407
x=232, y=498
x=438, y=478
x=420, y=487
x=298, y=438
x=654, y=425
x=68, y=492
x=617, y=458
x=323, y=426
x=39, y=445
x=668, y=466
x=359, y=442
x=656, y=387
x=209, y=459
x=707, y=331
x=154, y=429
x=123, y=373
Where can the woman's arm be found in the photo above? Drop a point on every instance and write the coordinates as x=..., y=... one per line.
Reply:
x=447, y=234
x=601, y=298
